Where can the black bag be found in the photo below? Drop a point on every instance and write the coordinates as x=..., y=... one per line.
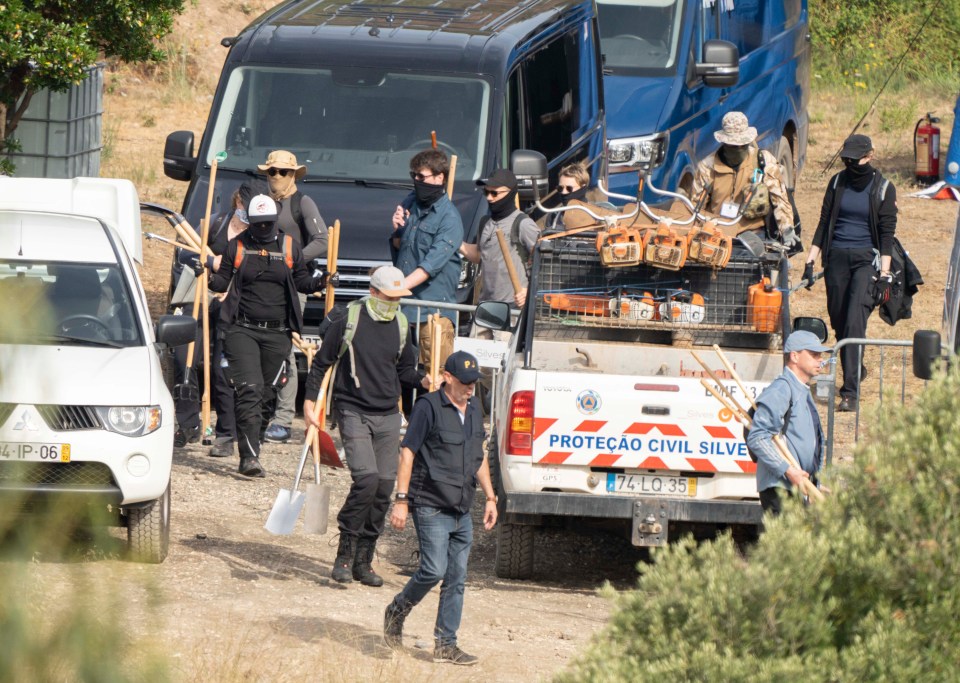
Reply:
x=906, y=283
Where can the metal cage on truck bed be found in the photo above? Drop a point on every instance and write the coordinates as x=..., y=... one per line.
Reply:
x=577, y=296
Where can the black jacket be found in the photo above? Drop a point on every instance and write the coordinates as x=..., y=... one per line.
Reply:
x=298, y=278
x=883, y=213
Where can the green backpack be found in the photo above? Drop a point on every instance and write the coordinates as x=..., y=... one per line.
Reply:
x=346, y=344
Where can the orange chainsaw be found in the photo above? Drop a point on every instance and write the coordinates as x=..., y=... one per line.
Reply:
x=709, y=245
x=619, y=247
x=664, y=248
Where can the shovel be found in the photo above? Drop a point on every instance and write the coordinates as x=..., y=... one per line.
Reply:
x=317, y=494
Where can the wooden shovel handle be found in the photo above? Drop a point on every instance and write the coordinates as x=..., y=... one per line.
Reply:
x=508, y=259
x=333, y=247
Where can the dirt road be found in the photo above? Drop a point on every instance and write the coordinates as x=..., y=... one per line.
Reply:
x=234, y=603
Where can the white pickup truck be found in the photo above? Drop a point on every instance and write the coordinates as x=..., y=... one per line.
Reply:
x=602, y=418
x=85, y=416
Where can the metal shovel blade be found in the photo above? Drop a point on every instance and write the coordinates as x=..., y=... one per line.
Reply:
x=286, y=509
x=316, y=509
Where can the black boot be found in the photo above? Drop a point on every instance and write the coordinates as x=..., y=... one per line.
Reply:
x=345, y=552
x=362, y=571
x=393, y=619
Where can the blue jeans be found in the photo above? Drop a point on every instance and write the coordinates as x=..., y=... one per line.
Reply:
x=445, y=539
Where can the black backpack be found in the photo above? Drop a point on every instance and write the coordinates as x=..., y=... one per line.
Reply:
x=752, y=411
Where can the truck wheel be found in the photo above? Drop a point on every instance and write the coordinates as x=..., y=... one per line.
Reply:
x=515, y=551
x=148, y=530
x=785, y=159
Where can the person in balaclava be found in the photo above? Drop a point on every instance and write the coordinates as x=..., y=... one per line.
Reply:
x=858, y=220
x=740, y=169
x=299, y=217
x=263, y=270
x=425, y=242
x=366, y=389
x=521, y=233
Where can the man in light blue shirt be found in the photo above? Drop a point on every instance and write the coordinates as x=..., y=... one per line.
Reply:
x=427, y=234
x=786, y=407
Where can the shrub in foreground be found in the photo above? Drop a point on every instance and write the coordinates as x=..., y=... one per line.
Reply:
x=863, y=587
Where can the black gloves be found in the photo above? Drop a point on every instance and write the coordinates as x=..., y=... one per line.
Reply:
x=881, y=289
x=808, y=274
x=323, y=278
x=194, y=265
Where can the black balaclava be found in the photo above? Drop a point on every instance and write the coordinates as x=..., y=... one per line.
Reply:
x=858, y=174
x=504, y=206
x=427, y=193
x=580, y=195
x=734, y=155
x=263, y=233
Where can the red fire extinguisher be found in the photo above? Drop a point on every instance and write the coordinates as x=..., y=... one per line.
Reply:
x=926, y=150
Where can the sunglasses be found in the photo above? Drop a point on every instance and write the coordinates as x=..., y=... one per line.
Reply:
x=279, y=171
x=495, y=193
x=568, y=188
x=421, y=177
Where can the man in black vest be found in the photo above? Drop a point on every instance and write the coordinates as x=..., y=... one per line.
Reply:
x=441, y=461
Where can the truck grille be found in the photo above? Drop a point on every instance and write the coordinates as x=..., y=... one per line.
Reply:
x=82, y=474
x=70, y=418
x=577, y=296
x=5, y=410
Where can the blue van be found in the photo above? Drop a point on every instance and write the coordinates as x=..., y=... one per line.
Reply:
x=673, y=68
x=355, y=89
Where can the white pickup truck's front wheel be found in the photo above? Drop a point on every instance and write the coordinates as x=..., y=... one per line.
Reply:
x=148, y=530
x=515, y=551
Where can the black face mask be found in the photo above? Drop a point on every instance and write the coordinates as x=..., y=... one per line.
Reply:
x=263, y=232
x=734, y=156
x=856, y=169
x=580, y=195
x=504, y=206
x=426, y=193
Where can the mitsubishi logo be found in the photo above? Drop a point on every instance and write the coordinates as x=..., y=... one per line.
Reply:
x=26, y=422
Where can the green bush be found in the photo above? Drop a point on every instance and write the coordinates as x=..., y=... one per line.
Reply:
x=858, y=43
x=863, y=587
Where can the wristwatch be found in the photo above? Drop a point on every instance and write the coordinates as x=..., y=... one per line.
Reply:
x=401, y=497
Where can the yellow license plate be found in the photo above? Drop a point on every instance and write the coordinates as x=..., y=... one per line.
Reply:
x=35, y=452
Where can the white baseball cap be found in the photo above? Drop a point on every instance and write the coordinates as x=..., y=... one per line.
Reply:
x=262, y=209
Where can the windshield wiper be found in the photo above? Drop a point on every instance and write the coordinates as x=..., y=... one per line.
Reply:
x=359, y=181
x=78, y=340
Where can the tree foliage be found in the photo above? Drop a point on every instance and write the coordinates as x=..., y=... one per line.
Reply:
x=49, y=43
x=863, y=587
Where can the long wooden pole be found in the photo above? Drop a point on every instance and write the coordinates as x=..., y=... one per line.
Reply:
x=508, y=260
x=205, y=302
x=333, y=247
x=451, y=175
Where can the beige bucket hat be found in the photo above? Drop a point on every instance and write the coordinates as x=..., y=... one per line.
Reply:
x=281, y=158
x=736, y=130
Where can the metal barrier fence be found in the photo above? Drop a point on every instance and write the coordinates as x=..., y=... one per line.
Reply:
x=826, y=383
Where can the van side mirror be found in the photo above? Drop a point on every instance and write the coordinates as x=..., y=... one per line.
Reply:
x=493, y=315
x=720, y=67
x=176, y=330
x=814, y=325
x=926, y=353
x=530, y=167
x=178, y=160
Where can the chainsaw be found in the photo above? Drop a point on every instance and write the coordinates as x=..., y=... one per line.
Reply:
x=664, y=248
x=709, y=245
x=619, y=247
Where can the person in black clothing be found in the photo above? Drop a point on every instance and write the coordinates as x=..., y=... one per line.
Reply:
x=854, y=238
x=223, y=227
x=441, y=461
x=299, y=217
x=366, y=390
x=263, y=270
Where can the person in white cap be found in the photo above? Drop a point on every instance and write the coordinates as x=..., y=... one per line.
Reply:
x=786, y=407
x=299, y=217
x=740, y=169
x=263, y=270
x=372, y=355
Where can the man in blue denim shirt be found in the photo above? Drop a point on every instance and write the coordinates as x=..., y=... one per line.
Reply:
x=427, y=234
x=786, y=407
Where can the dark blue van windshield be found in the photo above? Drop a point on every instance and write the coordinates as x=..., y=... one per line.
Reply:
x=639, y=37
x=350, y=123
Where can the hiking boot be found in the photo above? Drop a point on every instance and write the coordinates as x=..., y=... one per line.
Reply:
x=345, y=552
x=393, y=618
x=184, y=436
x=221, y=449
x=362, y=571
x=451, y=654
x=277, y=434
x=250, y=467
x=847, y=405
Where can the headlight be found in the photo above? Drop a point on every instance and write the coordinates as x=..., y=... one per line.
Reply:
x=130, y=420
x=627, y=154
